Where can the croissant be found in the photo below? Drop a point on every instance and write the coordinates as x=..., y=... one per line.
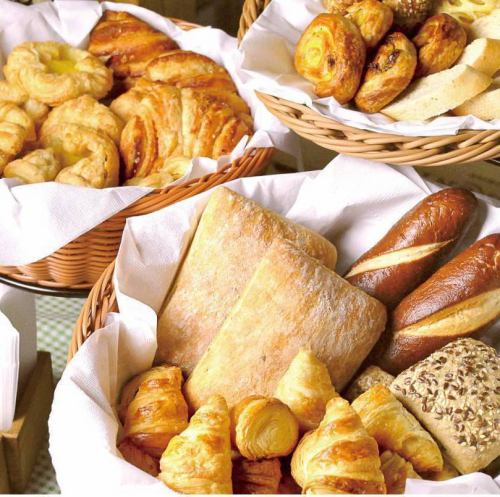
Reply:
x=263, y=428
x=339, y=456
x=394, y=428
x=36, y=167
x=306, y=388
x=157, y=411
x=447, y=473
x=256, y=477
x=331, y=54
x=288, y=485
x=396, y=471
x=198, y=461
x=139, y=458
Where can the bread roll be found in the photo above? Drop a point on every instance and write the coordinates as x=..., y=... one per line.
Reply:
x=482, y=54
x=485, y=106
x=373, y=19
x=486, y=27
x=370, y=377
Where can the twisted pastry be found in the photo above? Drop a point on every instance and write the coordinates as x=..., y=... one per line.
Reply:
x=157, y=411
x=396, y=471
x=331, y=54
x=16, y=95
x=339, y=456
x=263, y=428
x=36, y=167
x=53, y=72
x=256, y=477
x=198, y=461
x=306, y=388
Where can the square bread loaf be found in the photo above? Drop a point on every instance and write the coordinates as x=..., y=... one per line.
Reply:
x=455, y=394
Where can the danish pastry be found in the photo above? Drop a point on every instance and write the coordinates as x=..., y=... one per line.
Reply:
x=388, y=74
x=256, y=477
x=16, y=95
x=88, y=157
x=36, y=167
x=373, y=19
x=86, y=111
x=53, y=72
x=331, y=54
x=338, y=6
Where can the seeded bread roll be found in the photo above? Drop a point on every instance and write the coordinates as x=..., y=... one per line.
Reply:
x=455, y=393
x=371, y=376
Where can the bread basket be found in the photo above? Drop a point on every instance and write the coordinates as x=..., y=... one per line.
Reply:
x=466, y=146
x=79, y=264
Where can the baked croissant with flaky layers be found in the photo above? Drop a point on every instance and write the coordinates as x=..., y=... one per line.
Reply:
x=139, y=458
x=396, y=471
x=396, y=429
x=331, y=54
x=36, y=167
x=88, y=158
x=157, y=412
x=306, y=388
x=339, y=456
x=198, y=461
x=53, y=72
x=256, y=477
x=263, y=428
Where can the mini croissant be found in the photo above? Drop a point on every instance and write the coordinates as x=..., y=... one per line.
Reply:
x=396, y=471
x=306, y=388
x=339, y=456
x=396, y=429
x=263, y=428
x=198, y=461
x=256, y=477
x=153, y=409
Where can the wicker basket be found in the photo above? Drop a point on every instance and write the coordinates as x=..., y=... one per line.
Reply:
x=467, y=146
x=79, y=264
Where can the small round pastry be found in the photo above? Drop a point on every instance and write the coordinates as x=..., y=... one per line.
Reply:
x=373, y=19
x=89, y=158
x=331, y=54
x=53, y=72
x=86, y=111
x=440, y=42
x=338, y=6
x=389, y=73
x=410, y=13
x=263, y=428
x=38, y=166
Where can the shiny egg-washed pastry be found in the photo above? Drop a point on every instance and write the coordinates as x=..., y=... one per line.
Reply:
x=388, y=74
x=86, y=111
x=371, y=376
x=53, y=72
x=263, y=428
x=89, y=158
x=256, y=477
x=440, y=42
x=35, y=167
x=126, y=43
x=373, y=19
x=396, y=471
x=331, y=54
x=339, y=456
x=198, y=460
x=396, y=429
x=157, y=411
x=306, y=388
x=139, y=458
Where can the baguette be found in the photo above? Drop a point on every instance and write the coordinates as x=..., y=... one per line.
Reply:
x=486, y=27
x=485, y=106
x=438, y=93
x=458, y=300
x=414, y=246
x=483, y=55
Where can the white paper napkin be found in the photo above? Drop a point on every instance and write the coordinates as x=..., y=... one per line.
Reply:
x=152, y=247
x=266, y=64
x=38, y=219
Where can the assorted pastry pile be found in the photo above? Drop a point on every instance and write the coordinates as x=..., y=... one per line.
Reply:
x=395, y=57
x=166, y=106
x=299, y=380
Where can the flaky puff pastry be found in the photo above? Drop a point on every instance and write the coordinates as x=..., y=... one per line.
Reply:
x=53, y=72
x=396, y=471
x=198, y=461
x=36, y=167
x=86, y=111
x=138, y=458
x=331, y=54
x=373, y=19
x=256, y=477
x=339, y=456
x=396, y=429
x=171, y=170
x=158, y=410
x=306, y=388
x=263, y=428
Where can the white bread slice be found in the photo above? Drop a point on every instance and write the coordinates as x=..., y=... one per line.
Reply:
x=485, y=106
x=482, y=54
x=438, y=93
x=486, y=27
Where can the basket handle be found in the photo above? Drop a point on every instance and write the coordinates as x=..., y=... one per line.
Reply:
x=251, y=10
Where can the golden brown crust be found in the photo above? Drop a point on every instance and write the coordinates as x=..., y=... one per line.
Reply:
x=409, y=13
x=373, y=19
x=256, y=477
x=396, y=471
x=338, y=6
x=440, y=42
x=139, y=458
x=331, y=54
x=35, y=167
x=388, y=74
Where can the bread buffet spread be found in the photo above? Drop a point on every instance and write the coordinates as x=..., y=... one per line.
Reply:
x=274, y=374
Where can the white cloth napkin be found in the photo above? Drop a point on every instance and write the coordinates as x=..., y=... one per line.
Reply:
x=150, y=253
x=38, y=219
x=266, y=64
